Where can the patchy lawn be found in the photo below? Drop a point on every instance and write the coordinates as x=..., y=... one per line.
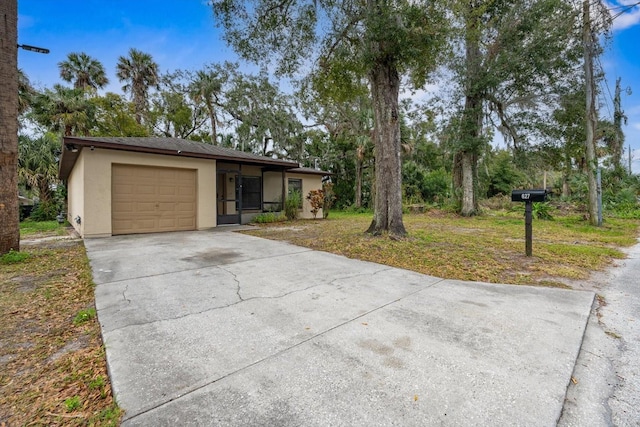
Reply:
x=52, y=361
x=487, y=248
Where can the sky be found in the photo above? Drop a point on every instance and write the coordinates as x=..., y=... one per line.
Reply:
x=181, y=34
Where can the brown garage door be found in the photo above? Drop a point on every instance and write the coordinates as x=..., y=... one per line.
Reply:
x=151, y=199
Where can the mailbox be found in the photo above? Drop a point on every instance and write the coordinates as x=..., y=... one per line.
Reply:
x=528, y=195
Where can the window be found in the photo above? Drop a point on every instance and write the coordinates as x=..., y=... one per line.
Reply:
x=251, y=192
x=296, y=185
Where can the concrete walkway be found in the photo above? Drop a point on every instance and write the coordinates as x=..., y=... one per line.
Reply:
x=220, y=328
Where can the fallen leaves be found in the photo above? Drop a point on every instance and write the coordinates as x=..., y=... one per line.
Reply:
x=485, y=248
x=46, y=360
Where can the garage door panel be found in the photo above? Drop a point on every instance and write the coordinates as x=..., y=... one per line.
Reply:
x=152, y=199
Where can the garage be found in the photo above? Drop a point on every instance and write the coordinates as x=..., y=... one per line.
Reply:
x=149, y=199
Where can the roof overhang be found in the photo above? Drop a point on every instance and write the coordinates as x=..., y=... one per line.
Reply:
x=73, y=146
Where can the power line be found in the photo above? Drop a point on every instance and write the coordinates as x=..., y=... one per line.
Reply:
x=625, y=10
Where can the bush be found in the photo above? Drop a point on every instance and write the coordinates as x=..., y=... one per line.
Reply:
x=47, y=211
x=329, y=198
x=316, y=199
x=292, y=205
x=269, y=217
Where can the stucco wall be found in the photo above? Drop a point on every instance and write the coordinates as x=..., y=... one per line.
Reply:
x=309, y=182
x=95, y=197
x=75, y=191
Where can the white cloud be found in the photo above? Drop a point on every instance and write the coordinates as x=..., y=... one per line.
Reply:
x=624, y=18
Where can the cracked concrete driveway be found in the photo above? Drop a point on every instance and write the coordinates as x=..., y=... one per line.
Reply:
x=220, y=328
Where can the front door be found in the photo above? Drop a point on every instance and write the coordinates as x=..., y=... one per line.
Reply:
x=227, y=194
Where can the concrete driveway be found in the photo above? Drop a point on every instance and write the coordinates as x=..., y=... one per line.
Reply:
x=220, y=328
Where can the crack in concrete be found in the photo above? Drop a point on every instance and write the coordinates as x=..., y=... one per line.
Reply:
x=241, y=299
x=124, y=294
x=202, y=267
x=207, y=383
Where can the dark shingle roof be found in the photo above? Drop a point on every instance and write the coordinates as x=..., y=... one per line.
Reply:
x=166, y=146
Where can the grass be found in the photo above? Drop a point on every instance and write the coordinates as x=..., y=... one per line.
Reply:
x=52, y=360
x=488, y=248
x=29, y=228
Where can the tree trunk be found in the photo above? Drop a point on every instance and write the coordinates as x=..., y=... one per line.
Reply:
x=465, y=162
x=9, y=210
x=358, y=201
x=469, y=199
x=212, y=118
x=385, y=86
x=590, y=152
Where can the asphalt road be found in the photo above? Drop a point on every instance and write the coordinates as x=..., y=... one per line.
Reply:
x=606, y=386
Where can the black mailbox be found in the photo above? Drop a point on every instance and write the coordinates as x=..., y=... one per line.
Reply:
x=528, y=195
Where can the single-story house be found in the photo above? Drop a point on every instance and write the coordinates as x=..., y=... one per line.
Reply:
x=118, y=185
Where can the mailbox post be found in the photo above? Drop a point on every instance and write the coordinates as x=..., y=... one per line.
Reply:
x=528, y=197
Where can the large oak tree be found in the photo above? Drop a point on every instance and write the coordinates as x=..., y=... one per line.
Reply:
x=381, y=40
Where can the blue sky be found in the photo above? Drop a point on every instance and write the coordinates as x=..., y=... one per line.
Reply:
x=181, y=34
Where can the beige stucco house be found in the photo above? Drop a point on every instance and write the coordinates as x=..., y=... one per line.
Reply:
x=118, y=185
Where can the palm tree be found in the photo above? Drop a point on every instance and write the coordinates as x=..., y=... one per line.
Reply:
x=140, y=72
x=83, y=71
x=63, y=109
x=206, y=87
x=9, y=224
x=25, y=92
x=38, y=165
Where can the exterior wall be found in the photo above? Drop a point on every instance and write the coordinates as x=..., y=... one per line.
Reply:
x=309, y=182
x=272, y=189
x=95, y=174
x=75, y=195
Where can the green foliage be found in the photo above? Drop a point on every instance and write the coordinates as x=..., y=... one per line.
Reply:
x=13, y=257
x=115, y=116
x=503, y=175
x=72, y=403
x=269, y=217
x=542, y=210
x=38, y=165
x=29, y=226
x=539, y=210
x=83, y=71
x=292, y=205
x=45, y=211
x=421, y=185
x=63, y=110
x=329, y=198
x=84, y=316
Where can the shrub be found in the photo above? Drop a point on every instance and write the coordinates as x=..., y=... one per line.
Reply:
x=292, y=205
x=269, y=217
x=329, y=198
x=47, y=211
x=316, y=199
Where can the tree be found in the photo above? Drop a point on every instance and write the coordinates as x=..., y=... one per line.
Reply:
x=83, y=71
x=115, y=116
x=515, y=52
x=63, y=109
x=9, y=213
x=25, y=92
x=173, y=112
x=205, y=87
x=140, y=73
x=38, y=165
x=376, y=39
